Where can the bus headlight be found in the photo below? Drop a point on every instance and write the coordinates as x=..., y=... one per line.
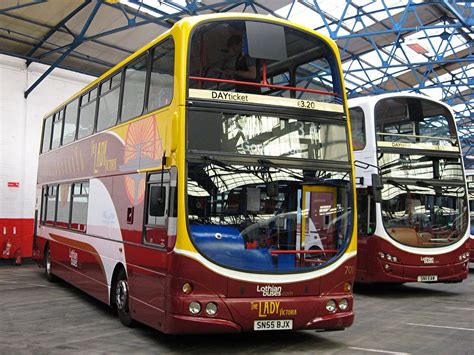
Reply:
x=331, y=306
x=211, y=309
x=343, y=304
x=194, y=307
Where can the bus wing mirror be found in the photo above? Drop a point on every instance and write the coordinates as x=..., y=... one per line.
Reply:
x=377, y=187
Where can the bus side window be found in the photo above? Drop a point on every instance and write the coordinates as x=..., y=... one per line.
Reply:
x=44, y=200
x=159, y=208
x=70, y=122
x=162, y=75
x=51, y=204
x=47, y=127
x=87, y=114
x=80, y=200
x=134, y=89
x=58, y=120
x=64, y=205
x=109, y=102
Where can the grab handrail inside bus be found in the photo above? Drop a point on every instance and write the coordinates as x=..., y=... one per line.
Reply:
x=271, y=86
x=277, y=252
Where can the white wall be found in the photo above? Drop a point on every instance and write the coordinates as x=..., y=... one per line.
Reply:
x=20, y=127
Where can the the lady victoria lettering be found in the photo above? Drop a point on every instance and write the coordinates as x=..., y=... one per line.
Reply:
x=230, y=96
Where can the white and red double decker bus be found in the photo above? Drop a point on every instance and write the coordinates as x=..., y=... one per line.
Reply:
x=470, y=188
x=411, y=191
x=206, y=184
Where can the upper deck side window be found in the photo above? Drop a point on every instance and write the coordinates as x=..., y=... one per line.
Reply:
x=143, y=85
x=87, y=113
x=70, y=122
x=109, y=102
x=161, y=75
x=58, y=121
x=134, y=88
x=263, y=58
x=47, y=126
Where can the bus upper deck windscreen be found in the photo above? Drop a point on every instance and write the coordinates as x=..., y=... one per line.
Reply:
x=256, y=57
x=414, y=123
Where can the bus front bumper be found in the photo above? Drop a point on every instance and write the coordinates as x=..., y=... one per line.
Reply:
x=181, y=324
x=393, y=272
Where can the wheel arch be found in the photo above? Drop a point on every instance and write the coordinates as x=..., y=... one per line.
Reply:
x=118, y=267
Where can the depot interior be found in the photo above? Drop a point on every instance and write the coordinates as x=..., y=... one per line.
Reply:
x=51, y=49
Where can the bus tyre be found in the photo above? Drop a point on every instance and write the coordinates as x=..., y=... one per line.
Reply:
x=122, y=299
x=47, y=265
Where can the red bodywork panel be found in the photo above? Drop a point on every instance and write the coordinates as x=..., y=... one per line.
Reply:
x=156, y=278
x=16, y=238
x=471, y=250
x=371, y=268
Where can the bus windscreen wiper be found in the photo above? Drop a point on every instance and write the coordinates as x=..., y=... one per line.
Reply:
x=397, y=184
x=219, y=163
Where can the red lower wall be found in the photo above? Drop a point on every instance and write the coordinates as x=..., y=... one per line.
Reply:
x=16, y=237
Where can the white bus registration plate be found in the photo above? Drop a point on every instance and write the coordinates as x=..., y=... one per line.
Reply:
x=279, y=324
x=427, y=278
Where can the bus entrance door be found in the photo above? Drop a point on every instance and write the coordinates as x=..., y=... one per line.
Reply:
x=148, y=281
x=319, y=215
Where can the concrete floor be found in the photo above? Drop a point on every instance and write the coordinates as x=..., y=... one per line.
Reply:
x=39, y=317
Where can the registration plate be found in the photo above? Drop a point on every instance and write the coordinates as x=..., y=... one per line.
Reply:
x=427, y=278
x=279, y=324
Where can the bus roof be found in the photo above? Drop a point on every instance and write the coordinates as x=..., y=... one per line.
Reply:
x=373, y=99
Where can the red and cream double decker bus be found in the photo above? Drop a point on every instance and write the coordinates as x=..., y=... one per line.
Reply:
x=411, y=190
x=205, y=184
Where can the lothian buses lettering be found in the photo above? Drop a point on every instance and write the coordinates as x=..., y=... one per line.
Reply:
x=99, y=154
x=271, y=308
x=73, y=256
x=230, y=96
x=428, y=259
x=269, y=291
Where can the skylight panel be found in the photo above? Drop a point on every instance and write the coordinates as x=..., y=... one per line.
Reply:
x=459, y=75
x=354, y=79
x=302, y=15
x=434, y=41
x=336, y=8
x=434, y=92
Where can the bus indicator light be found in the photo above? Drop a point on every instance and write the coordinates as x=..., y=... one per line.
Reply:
x=187, y=288
x=347, y=287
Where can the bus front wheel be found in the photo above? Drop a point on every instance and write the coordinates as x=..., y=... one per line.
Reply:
x=122, y=299
x=47, y=265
